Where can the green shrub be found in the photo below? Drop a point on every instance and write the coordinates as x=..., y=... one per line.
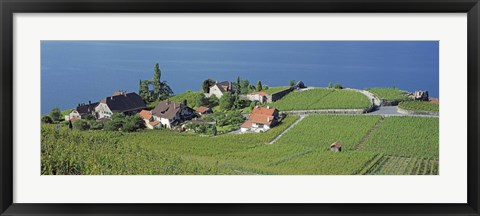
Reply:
x=81, y=125
x=47, y=119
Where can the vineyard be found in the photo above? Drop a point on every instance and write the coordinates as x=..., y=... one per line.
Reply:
x=322, y=99
x=400, y=146
x=418, y=106
x=407, y=137
x=389, y=94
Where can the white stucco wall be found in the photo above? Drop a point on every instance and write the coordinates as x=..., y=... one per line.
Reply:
x=103, y=111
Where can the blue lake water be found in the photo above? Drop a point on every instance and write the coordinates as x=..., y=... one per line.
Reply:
x=75, y=72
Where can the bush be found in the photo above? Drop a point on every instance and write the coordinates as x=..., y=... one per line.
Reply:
x=338, y=86
x=94, y=125
x=133, y=123
x=47, y=120
x=81, y=125
x=89, y=117
x=113, y=125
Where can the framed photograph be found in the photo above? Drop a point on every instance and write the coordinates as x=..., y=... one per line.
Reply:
x=247, y=108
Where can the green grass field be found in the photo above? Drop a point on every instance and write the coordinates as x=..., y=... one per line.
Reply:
x=406, y=137
x=321, y=98
x=275, y=89
x=418, y=106
x=389, y=94
x=399, y=145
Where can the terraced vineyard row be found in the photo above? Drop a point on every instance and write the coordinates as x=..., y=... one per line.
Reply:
x=390, y=165
x=322, y=99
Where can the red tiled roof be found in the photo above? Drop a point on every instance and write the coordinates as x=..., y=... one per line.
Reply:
x=145, y=114
x=153, y=123
x=74, y=119
x=261, y=93
x=261, y=119
x=247, y=124
x=202, y=109
x=263, y=111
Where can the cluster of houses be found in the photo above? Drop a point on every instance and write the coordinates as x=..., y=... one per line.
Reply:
x=169, y=114
x=118, y=102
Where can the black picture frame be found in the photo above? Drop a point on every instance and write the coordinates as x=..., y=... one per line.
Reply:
x=9, y=7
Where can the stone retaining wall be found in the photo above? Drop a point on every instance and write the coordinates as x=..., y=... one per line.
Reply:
x=416, y=112
x=278, y=95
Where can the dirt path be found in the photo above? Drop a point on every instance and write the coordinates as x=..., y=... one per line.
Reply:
x=292, y=125
x=369, y=133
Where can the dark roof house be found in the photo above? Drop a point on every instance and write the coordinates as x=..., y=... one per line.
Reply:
x=84, y=109
x=125, y=102
x=173, y=111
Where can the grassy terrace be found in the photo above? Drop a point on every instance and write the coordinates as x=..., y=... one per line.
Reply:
x=418, y=106
x=400, y=145
x=389, y=94
x=406, y=137
x=272, y=90
x=322, y=98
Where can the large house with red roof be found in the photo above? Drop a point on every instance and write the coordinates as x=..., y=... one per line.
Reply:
x=261, y=119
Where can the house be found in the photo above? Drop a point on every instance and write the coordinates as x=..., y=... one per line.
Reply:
x=203, y=110
x=81, y=110
x=261, y=119
x=336, y=146
x=120, y=102
x=260, y=96
x=150, y=123
x=170, y=114
x=219, y=89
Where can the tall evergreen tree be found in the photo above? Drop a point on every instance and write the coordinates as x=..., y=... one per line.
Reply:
x=259, y=85
x=239, y=87
x=157, y=74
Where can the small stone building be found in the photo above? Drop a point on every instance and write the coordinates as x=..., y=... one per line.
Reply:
x=336, y=146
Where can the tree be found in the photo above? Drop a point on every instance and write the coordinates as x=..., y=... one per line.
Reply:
x=143, y=89
x=47, y=119
x=239, y=87
x=133, y=123
x=212, y=101
x=330, y=85
x=338, y=86
x=251, y=87
x=259, y=85
x=157, y=74
x=238, y=103
x=226, y=101
x=292, y=82
x=56, y=114
x=207, y=84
